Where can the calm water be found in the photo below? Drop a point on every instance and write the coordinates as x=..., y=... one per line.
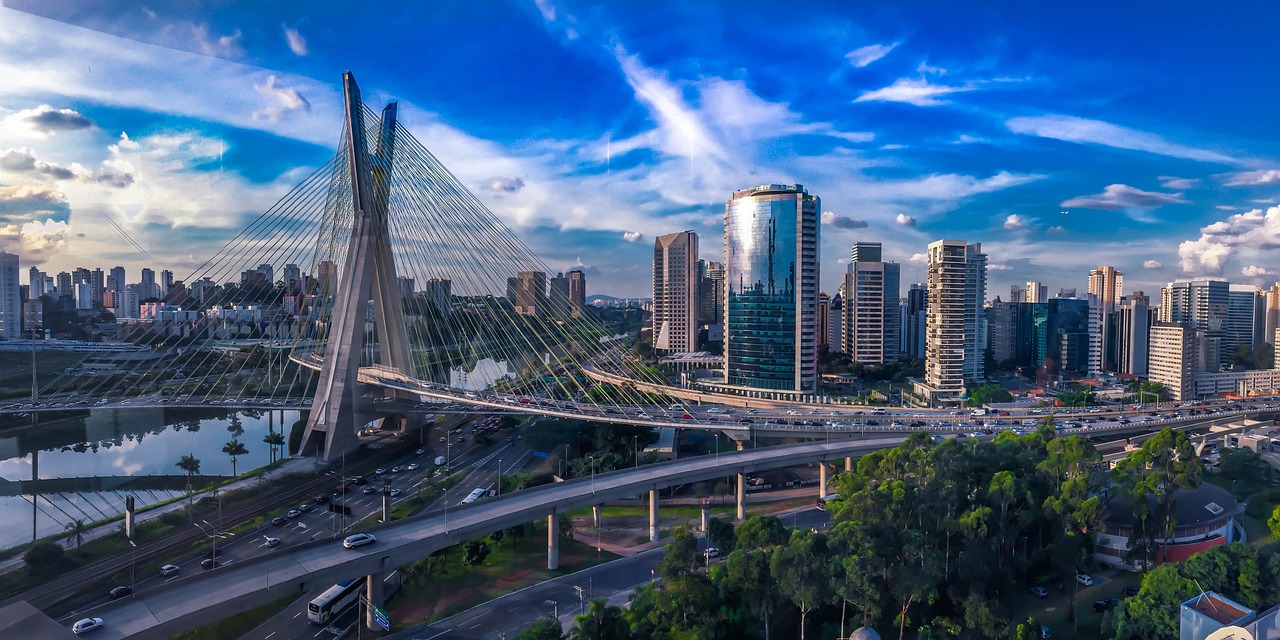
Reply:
x=114, y=443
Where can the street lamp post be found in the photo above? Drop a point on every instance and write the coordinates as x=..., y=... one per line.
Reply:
x=499, y=477
x=635, y=446
x=593, y=474
x=717, y=449
x=133, y=556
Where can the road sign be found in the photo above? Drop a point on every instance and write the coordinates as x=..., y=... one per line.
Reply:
x=381, y=616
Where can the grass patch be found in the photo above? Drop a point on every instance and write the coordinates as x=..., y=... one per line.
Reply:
x=1052, y=612
x=511, y=565
x=236, y=626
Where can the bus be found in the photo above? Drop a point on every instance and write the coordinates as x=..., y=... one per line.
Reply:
x=334, y=601
x=474, y=495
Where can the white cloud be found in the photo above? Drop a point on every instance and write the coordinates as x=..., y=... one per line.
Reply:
x=919, y=258
x=1179, y=184
x=297, y=43
x=1152, y=264
x=1254, y=271
x=1253, y=178
x=924, y=67
x=1057, y=228
x=633, y=236
x=503, y=184
x=547, y=9
x=1084, y=131
x=1015, y=222
x=833, y=219
x=863, y=56
x=1204, y=256
x=918, y=92
x=212, y=44
x=905, y=220
x=996, y=266
x=45, y=120
x=23, y=161
x=284, y=100
x=1122, y=196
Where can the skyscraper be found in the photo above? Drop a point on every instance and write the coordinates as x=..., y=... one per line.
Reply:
x=531, y=293
x=166, y=282
x=559, y=296
x=292, y=278
x=953, y=336
x=1035, y=292
x=1246, y=320
x=1133, y=327
x=1108, y=284
x=1200, y=304
x=577, y=293
x=117, y=276
x=10, y=300
x=1173, y=356
x=64, y=285
x=872, y=323
x=147, y=286
x=439, y=292
x=35, y=282
x=711, y=292
x=675, y=292
x=914, y=313
x=771, y=273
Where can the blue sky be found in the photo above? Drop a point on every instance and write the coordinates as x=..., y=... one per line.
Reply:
x=1062, y=137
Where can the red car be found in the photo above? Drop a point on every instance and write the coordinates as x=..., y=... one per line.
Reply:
x=686, y=417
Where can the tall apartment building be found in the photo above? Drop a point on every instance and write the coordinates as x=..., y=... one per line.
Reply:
x=1108, y=284
x=166, y=281
x=439, y=293
x=824, y=322
x=35, y=284
x=1133, y=327
x=1200, y=304
x=559, y=300
x=577, y=293
x=10, y=299
x=771, y=273
x=147, y=287
x=914, y=311
x=292, y=278
x=1173, y=355
x=675, y=292
x=531, y=293
x=1017, y=293
x=872, y=325
x=1246, y=319
x=117, y=276
x=835, y=321
x=711, y=292
x=1035, y=292
x=955, y=327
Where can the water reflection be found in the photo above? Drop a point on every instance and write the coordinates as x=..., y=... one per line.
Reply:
x=479, y=377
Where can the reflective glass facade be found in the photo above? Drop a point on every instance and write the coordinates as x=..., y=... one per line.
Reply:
x=771, y=274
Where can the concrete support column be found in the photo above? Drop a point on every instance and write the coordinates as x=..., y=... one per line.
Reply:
x=706, y=518
x=653, y=515
x=742, y=496
x=553, y=542
x=848, y=463
x=373, y=593
x=742, y=444
x=595, y=515
x=822, y=479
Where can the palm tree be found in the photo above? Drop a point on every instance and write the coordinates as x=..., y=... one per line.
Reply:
x=600, y=622
x=275, y=439
x=191, y=464
x=235, y=449
x=78, y=531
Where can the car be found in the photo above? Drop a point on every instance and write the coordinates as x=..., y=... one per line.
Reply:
x=359, y=480
x=86, y=625
x=395, y=492
x=380, y=471
x=169, y=569
x=280, y=520
x=120, y=592
x=322, y=500
x=1101, y=606
x=1084, y=579
x=304, y=507
x=210, y=563
x=1131, y=590
x=712, y=552
x=358, y=540
x=397, y=469
x=272, y=542
x=412, y=467
x=1040, y=592
x=685, y=416
x=294, y=513
x=368, y=490
x=1045, y=634
x=418, y=452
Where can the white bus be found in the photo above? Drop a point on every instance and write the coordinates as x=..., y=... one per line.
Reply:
x=474, y=495
x=334, y=601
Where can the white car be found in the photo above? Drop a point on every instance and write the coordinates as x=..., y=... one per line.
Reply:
x=272, y=542
x=169, y=569
x=85, y=626
x=358, y=540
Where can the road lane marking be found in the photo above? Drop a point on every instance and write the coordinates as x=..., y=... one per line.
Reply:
x=271, y=634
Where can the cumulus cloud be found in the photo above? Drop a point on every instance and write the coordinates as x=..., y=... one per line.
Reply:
x=297, y=43
x=46, y=120
x=1178, y=184
x=284, y=100
x=904, y=220
x=1085, y=131
x=1204, y=256
x=1253, y=178
x=1057, y=228
x=1254, y=271
x=1015, y=222
x=43, y=236
x=917, y=91
x=863, y=56
x=1122, y=196
x=633, y=236
x=503, y=184
x=1152, y=264
x=838, y=221
x=919, y=258
x=24, y=161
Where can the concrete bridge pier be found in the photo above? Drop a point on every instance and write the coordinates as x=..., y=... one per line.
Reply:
x=742, y=496
x=822, y=479
x=848, y=463
x=373, y=594
x=553, y=542
x=653, y=515
x=595, y=515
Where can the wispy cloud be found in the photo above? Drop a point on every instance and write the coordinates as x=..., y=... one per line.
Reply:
x=863, y=56
x=1260, y=177
x=1179, y=184
x=297, y=43
x=1085, y=131
x=283, y=100
x=1116, y=197
x=917, y=91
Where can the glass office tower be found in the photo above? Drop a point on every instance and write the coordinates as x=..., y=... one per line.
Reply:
x=771, y=274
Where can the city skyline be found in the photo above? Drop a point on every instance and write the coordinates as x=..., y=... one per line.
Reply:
x=189, y=121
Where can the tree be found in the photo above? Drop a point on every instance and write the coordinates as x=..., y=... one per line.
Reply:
x=274, y=440
x=720, y=534
x=235, y=449
x=190, y=464
x=1241, y=465
x=1165, y=464
x=43, y=556
x=600, y=622
x=474, y=552
x=78, y=531
x=1273, y=522
x=987, y=394
x=759, y=532
x=680, y=556
x=749, y=576
x=803, y=572
x=544, y=629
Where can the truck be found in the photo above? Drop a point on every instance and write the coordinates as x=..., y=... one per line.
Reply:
x=439, y=461
x=980, y=411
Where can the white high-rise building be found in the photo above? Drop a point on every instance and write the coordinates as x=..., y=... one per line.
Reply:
x=1246, y=319
x=1173, y=356
x=1108, y=284
x=10, y=297
x=1035, y=292
x=955, y=327
x=675, y=292
x=872, y=325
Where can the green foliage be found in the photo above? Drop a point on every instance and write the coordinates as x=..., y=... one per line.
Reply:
x=1242, y=465
x=544, y=629
x=760, y=532
x=987, y=394
x=720, y=531
x=1165, y=464
x=43, y=557
x=474, y=552
x=1148, y=391
x=600, y=622
x=1273, y=523
x=1247, y=358
x=804, y=572
x=235, y=449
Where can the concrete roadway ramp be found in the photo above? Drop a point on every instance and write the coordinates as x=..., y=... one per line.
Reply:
x=95, y=484
x=25, y=621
